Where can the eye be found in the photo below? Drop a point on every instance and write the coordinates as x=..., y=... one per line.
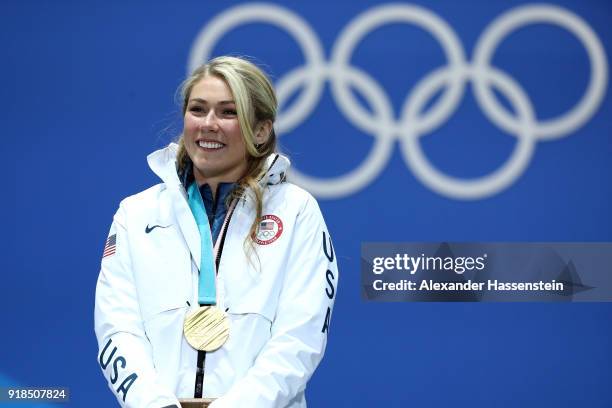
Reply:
x=196, y=109
x=230, y=112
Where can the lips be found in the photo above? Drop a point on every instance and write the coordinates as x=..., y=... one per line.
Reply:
x=210, y=144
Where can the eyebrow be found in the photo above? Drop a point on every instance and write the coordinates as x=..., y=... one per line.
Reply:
x=205, y=101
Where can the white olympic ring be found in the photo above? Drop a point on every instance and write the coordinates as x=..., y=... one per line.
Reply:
x=413, y=124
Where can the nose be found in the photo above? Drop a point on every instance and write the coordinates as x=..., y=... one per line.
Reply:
x=210, y=122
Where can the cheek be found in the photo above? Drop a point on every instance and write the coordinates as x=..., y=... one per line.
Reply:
x=190, y=125
x=233, y=129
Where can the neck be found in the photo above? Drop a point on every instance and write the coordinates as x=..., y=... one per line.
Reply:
x=213, y=182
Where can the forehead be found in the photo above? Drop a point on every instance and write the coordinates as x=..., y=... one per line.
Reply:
x=211, y=88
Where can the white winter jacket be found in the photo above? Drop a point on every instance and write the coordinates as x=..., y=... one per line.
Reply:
x=279, y=304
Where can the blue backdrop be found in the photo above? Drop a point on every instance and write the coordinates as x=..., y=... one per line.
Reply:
x=389, y=116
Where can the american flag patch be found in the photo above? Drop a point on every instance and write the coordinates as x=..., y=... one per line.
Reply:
x=266, y=226
x=111, y=245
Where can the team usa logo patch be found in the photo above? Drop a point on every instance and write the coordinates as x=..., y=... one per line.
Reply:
x=269, y=230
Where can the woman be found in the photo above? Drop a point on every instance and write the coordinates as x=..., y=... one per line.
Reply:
x=271, y=277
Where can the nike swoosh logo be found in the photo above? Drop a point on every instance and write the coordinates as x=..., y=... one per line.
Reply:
x=149, y=229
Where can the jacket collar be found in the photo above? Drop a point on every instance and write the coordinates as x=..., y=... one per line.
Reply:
x=163, y=163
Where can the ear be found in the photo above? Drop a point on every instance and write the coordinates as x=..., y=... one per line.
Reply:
x=262, y=131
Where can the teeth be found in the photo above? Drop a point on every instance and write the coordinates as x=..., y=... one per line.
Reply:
x=210, y=145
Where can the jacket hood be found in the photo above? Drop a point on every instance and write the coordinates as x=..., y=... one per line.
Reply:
x=163, y=163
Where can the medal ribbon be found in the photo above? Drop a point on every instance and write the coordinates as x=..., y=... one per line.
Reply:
x=207, y=289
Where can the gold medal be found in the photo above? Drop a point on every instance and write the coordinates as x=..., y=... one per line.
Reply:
x=206, y=329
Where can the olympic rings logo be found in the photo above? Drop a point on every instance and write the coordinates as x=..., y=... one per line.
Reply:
x=265, y=234
x=413, y=124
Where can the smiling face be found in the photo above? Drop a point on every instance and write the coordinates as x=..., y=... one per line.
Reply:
x=212, y=135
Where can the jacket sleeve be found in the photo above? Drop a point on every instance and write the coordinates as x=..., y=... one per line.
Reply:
x=124, y=351
x=299, y=330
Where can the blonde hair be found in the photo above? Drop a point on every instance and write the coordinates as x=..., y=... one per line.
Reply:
x=255, y=102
